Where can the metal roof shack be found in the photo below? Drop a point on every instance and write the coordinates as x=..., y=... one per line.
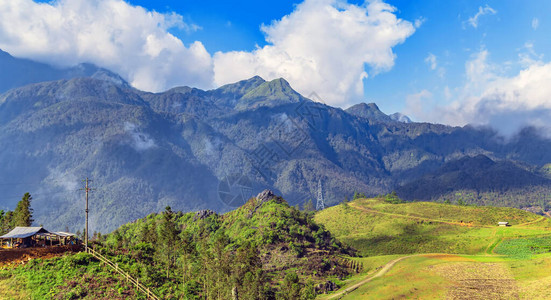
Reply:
x=503, y=224
x=23, y=232
x=35, y=236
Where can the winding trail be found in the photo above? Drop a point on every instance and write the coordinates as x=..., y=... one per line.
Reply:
x=381, y=272
x=388, y=266
x=358, y=207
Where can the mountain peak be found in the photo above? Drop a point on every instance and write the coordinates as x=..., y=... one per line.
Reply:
x=369, y=111
x=270, y=93
x=228, y=95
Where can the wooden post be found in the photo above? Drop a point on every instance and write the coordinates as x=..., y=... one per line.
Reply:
x=86, y=228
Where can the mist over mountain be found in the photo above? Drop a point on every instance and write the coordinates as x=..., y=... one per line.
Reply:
x=194, y=149
x=17, y=72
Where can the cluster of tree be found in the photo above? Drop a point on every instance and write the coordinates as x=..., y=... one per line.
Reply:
x=189, y=257
x=21, y=216
x=358, y=196
x=393, y=198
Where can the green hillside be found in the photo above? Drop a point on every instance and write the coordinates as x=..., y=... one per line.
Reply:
x=265, y=249
x=426, y=250
x=376, y=227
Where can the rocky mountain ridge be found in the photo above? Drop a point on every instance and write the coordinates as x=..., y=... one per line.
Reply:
x=194, y=149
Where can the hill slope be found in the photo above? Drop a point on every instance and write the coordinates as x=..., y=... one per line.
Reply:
x=262, y=250
x=376, y=227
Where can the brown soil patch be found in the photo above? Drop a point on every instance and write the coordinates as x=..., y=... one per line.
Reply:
x=478, y=281
x=19, y=256
x=447, y=257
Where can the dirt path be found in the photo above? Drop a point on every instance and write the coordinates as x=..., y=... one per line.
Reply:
x=354, y=205
x=472, y=281
x=490, y=249
x=381, y=272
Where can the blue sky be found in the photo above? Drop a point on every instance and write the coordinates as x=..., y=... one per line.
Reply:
x=453, y=62
x=445, y=32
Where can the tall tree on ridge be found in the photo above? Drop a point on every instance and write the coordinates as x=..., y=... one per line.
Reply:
x=23, y=213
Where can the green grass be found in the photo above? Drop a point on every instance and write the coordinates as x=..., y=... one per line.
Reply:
x=375, y=227
x=74, y=276
x=524, y=248
x=408, y=279
x=476, y=215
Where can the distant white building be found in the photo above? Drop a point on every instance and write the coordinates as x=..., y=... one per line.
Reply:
x=503, y=224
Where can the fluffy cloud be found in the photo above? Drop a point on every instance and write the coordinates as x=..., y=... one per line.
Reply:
x=322, y=46
x=110, y=33
x=507, y=103
x=327, y=46
x=487, y=10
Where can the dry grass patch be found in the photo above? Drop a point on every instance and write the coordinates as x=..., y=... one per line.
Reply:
x=478, y=280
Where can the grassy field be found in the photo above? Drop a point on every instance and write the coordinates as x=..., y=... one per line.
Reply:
x=472, y=257
x=377, y=228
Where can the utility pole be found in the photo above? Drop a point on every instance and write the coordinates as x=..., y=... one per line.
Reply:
x=87, y=190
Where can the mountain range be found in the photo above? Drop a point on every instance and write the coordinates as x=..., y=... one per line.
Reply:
x=195, y=149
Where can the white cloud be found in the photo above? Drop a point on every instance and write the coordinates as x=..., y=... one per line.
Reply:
x=326, y=46
x=487, y=10
x=140, y=141
x=507, y=103
x=64, y=179
x=113, y=34
x=322, y=46
x=431, y=61
x=419, y=21
x=529, y=56
x=418, y=103
x=535, y=23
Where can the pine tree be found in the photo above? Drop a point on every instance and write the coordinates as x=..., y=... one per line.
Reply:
x=23, y=213
x=2, y=220
x=168, y=235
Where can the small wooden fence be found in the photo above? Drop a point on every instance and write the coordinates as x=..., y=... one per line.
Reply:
x=127, y=276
